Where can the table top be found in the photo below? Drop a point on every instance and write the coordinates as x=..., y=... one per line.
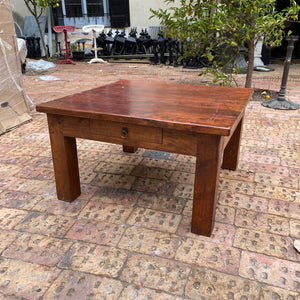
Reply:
x=196, y=108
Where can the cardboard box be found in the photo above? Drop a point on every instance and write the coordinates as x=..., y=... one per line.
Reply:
x=13, y=104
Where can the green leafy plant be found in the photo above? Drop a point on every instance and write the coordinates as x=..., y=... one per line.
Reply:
x=73, y=47
x=215, y=29
x=37, y=8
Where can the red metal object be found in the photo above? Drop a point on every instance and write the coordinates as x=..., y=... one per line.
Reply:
x=65, y=29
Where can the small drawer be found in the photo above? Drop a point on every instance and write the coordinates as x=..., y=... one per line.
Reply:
x=126, y=133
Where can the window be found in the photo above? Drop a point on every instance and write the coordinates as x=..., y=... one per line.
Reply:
x=80, y=8
x=119, y=13
x=94, y=8
x=114, y=13
x=73, y=8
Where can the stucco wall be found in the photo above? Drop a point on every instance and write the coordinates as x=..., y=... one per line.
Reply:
x=140, y=12
x=20, y=11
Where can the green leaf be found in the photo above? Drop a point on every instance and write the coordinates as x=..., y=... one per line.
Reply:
x=205, y=25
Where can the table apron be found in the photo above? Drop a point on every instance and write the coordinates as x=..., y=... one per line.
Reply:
x=148, y=137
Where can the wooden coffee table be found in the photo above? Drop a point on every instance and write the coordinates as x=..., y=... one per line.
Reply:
x=201, y=121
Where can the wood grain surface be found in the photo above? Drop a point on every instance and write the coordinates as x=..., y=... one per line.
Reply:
x=195, y=108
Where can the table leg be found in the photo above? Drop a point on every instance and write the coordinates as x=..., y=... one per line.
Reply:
x=232, y=149
x=208, y=163
x=65, y=162
x=129, y=149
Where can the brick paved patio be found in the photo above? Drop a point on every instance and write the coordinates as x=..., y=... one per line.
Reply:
x=128, y=235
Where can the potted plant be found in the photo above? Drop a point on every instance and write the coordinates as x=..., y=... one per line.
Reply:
x=77, y=51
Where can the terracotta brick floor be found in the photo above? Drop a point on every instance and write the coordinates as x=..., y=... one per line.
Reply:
x=128, y=235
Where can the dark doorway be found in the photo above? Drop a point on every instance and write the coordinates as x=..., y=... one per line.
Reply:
x=119, y=13
x=278, y=53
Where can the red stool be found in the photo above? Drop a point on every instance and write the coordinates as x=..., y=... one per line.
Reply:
x=65, y=29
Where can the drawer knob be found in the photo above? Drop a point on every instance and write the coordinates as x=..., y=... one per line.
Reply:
x=124, y=132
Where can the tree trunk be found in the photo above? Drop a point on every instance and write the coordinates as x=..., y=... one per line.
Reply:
x=42, y=37
x=251, y=47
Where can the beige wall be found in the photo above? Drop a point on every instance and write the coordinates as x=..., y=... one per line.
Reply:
x=20, y=11
x=140, y=12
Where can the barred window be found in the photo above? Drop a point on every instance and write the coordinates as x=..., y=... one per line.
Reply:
x=73, y=8
x=94, y=8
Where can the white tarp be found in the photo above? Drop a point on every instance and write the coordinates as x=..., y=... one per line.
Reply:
x=40, y=65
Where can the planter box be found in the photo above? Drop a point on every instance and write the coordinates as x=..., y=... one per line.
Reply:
x=77, y=55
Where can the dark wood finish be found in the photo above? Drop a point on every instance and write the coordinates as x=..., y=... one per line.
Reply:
x=194, y=108
x=126, y=132
x=186, y=119
x=232, y=149
x=129, y=149
x=65, y=161
x=208, y=161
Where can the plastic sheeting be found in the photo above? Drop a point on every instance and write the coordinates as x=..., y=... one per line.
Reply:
x=14, y=109
x=40, y=65
x=22, y=49
x=49, y=78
